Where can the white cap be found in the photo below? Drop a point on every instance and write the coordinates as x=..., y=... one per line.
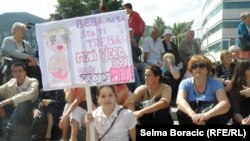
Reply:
x=167, y=31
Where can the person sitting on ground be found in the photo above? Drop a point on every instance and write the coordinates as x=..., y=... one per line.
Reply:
x=171, y=74
x=154, y=96
x=123, y=120
x=201, y=90
x=235, y=51
x=225, y=70
x=74, y=112
x=21, y=92
x=240, y=103
x=46, y=115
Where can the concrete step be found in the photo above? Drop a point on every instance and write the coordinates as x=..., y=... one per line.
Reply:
x=23, y=133
x=174, y=115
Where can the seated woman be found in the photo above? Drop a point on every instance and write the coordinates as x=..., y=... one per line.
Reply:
x=74, y=112
x=225, y=70
x=111, y=122
x=155, y=98
x=198, y=91
x=171, y=74
x=240, y=103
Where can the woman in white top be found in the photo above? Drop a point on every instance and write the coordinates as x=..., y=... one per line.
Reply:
x=107, y=113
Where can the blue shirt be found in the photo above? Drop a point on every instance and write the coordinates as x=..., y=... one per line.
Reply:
x=210, y=92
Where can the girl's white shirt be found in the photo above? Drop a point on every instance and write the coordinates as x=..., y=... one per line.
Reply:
x=125, y=121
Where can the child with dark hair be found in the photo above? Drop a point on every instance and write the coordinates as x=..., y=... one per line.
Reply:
x=124, y=121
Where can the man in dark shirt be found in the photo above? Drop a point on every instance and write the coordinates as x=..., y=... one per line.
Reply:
x=171, y=47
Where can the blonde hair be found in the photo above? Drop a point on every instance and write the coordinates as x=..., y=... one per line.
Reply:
x=244, y=15
x=170, y=56
x=16, y=26
x=223, y=54
x=233, y=48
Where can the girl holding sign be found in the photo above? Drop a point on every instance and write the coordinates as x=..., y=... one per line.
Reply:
x=111, y=122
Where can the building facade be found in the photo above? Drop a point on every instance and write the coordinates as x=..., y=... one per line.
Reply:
x=220, y=19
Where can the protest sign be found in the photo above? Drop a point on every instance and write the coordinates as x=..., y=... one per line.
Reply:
x=93, y=50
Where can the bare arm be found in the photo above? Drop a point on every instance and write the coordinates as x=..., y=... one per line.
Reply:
x=75, y=103
x=163, y=103
x=182, y=103
x=222, y=106
x=88, y=134
x=132, y=134
x=175, y=73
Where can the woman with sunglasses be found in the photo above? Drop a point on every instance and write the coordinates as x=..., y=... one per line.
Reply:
x=201, y=90
x=239, y=101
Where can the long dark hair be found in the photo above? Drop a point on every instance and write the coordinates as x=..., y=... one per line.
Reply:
x=239, y=76
x=156, y=70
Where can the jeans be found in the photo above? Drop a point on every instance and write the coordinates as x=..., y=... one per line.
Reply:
x=21, y=115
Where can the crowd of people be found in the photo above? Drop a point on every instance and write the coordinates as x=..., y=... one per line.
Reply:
x=167, y=76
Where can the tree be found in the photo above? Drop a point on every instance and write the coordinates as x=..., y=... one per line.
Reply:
x=160, y=24
x=113, y=5
x=179, y=30
x=76, y=8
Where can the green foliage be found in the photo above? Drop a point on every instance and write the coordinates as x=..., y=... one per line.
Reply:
x=76, y=8
x=113, y=5
x=180, y=28
x=160, y=24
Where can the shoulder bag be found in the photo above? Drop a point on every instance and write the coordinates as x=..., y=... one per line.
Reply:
x=110, y=125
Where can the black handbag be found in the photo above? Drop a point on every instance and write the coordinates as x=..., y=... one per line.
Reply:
x=202, y=106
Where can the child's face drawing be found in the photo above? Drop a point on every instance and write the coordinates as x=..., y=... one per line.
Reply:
x=58, y=41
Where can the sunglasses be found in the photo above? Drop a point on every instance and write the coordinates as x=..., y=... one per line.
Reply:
x=201, y=66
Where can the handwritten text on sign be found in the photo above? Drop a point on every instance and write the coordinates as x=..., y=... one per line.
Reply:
x=92, y=49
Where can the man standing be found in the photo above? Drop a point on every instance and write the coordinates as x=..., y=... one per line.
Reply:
x=135, y=22
x=21, y=91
